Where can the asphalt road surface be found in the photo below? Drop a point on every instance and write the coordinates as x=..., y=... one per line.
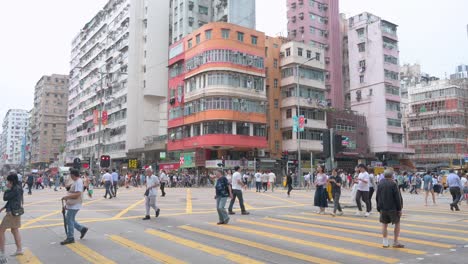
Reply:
x=278, y=230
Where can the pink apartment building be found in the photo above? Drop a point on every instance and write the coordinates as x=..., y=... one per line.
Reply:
x=375, y=84
x=317, y=23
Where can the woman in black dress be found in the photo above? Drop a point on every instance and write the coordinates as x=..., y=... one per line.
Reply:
x=320, y=199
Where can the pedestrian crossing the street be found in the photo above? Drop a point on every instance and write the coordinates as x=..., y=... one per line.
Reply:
x=283, y=238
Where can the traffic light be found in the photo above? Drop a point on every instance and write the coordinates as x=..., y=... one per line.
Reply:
x=105, y=161
x=326, y=143
x=338, y=143
x=77, y=163
x=285, y=155
x=301, y=123
x=257, y=164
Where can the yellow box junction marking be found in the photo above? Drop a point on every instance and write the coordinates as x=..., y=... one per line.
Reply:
x=188, y=208
x=314, y=244
x=350, y=231
x=210, y=250
x=89, y=254
x=156, y=255
x=264, y=247
x=28, y=258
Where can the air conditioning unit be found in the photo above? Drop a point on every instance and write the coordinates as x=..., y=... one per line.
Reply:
x=261, y=153
x=325, y=33
x=191, y=20
x=301, y=16
x=400, y=115
x=293, y=19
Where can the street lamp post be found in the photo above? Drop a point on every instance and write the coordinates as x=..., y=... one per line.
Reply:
x=299, y=165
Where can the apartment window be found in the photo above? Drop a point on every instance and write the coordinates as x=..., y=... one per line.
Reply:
x=243, y=129
x=259, y=130
x=396, y=138
x=362, y=64
x=275, y=63
x=299, y=52
x=289, y=113
x=240, y=36
x=309, y=54
x=394, y=122
x=276, y=103
x=275, y=83
x=312, y=30
x=203, y=10
x=225, y=33
x=277, y=145
x=287, y=135
x=392, y=89
x=197, y=39
x=189, y=43
x=391, y=75
x=361, y=78
x=362, y=47
x=392, y=105
x=208, y=34
x=390, y=59
x=276, y=124
x=288, y=52
x=254, y=40
x=360, y=32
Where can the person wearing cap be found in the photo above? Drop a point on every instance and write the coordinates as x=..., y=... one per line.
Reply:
x=237, y=185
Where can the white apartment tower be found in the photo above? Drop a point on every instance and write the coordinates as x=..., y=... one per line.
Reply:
x=119, y=76
x=15, y=125
x=375, y=85
x=189, y=15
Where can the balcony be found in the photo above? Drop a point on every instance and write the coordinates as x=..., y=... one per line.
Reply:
x=224, y=91
x=303, y=82
x=290, y=60
x=303, y=102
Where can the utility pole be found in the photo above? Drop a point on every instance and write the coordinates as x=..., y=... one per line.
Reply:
x=332, y=150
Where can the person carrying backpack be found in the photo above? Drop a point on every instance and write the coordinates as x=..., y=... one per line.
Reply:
x=223, y=191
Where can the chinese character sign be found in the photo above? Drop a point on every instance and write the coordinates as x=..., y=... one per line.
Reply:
x=295, y=123
x=104, y=117
x=301, y=123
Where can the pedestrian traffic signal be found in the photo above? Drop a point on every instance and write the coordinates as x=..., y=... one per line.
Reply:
x=326, y=143
x=338, y=143
x=105, y=161
x=77, y=163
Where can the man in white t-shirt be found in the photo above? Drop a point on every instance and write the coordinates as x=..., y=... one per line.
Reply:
x=237, y=186
x=107, y=180
x=152, y=184
x=73, y=205
x=272, y=180
x=363, y=184
x=258, y=181
x=164, y=181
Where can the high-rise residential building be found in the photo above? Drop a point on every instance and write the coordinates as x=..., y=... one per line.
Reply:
x=118, y=83
x=437, y=123
x=375, y=84
x=461, y=72
x=217, y=99
x=187, y=16
x=273, y=93
x=317, y=23
x=49, y=119
x=14, y=127
x=309, y=102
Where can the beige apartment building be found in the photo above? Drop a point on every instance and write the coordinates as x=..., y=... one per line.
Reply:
x=49, y=119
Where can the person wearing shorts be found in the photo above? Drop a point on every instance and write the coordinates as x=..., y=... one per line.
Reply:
x=390, y=206
x=428, y=188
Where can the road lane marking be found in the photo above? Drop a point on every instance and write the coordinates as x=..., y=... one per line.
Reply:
x=437, y=212
x=89, y=254
x=248, y=206
x=188, y=208
x=264, y=247
x=236, y=258
x=28, y=258
x=124, y=211
x=281, y=199
x=341, y=229
x=37, y=219
x=406, y=224
x=328, y=220
x=156, y=255
x=330, y=236
x=313, y=244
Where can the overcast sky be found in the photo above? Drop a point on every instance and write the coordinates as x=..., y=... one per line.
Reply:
x=36, y=36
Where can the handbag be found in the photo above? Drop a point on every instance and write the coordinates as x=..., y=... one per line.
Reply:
x=147, y=192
